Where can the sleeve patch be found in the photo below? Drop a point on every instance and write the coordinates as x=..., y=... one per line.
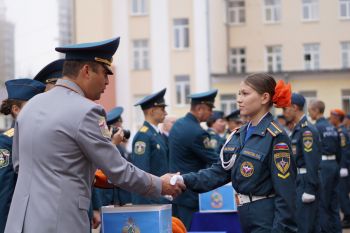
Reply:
x=206, y=143
x=342, y=140
x=307, y=141
x=213, y=143
x=104, y=128
x=4, y=158
x=281, y=156
x=140, y=148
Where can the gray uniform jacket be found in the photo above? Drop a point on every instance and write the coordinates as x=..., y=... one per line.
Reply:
x=60, y=140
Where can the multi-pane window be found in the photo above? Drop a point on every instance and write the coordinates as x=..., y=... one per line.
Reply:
x=311, y=56
x=344, y=9
x=310, y=9
x=140, y=55
x=272, y=11
x=274, y=58
x=345, y=54
x=228, y=103
x=181, y=33
x=236, y=11
x=138, y=7
x=237, y=60
x=345, y=95
x=182, y=83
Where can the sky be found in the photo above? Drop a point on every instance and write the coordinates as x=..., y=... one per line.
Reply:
x=36, y=34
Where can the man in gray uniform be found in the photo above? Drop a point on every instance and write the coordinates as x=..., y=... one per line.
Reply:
x=61, y=137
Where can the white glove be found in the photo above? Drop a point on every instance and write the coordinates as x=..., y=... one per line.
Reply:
x=344, y=172
x=307, y=198
x=173, y=181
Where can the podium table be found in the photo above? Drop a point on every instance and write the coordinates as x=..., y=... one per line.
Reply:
x=226, y=222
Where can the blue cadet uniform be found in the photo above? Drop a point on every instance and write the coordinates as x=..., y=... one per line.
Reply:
x=329, y=176
x=17, y=89
x=149, y=149
x=115, y=196
x=51, y=72
x=190, y=151
x=306, y=149
x=216, y=141
x=258, y=161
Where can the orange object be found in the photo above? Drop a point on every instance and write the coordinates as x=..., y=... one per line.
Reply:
x=178, y=226
x=101, y=180
x=338, y=112
x=283, y=95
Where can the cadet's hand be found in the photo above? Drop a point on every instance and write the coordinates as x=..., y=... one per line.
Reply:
x=118, y=137
x=169, y=189
x=307, y=198
x=343, y=172
x=96, y=219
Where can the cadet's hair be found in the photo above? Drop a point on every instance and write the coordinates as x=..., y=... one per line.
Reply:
x=318, y=104
x=71, y=68
x=262, y=83
x=210, y=122
x=7, y=104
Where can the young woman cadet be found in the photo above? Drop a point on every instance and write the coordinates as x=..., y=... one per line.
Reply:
x=257, y=158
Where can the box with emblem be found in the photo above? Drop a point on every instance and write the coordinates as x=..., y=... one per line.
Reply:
x=221, y=199
x=136, y=218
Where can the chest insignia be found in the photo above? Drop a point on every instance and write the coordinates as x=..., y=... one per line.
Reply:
x=247, y=169
x=4, y=158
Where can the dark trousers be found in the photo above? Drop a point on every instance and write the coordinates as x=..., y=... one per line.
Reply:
x=185, y=214
x=307, y=214
x=344, y=195
x=329, y=204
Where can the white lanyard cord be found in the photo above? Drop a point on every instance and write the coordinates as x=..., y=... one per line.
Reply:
x=227, y=165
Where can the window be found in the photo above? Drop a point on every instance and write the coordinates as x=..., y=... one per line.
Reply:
x=140, y=55
x=312, y=56
x=310, y=10
x=309, y=95
x=345, y=54
x=344, y=9
x=181, y=34
x=346, y=100
x=182, y=83
x=237, y=61
x=236, y=11
x=138, y=7
x=274, y=58
x=272, y=11
x=228, y=103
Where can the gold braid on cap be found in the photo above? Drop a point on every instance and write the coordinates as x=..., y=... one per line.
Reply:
x=104, y=61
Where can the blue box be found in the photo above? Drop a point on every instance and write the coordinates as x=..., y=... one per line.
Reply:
x=139, y=218
x=221, y=199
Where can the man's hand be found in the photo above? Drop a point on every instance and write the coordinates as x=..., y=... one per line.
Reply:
x=118, y=137
x=96, y=219
x=169, y=189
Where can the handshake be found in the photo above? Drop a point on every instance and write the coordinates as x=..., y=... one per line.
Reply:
x=172, y=185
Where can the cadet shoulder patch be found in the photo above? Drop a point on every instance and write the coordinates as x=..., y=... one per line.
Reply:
x=307, y=141
x=274, y=129
x=143, y=129
x=140, y=147
x=342, y=139
x=247, y=169
x=4, y=158
x=213, y=143
x=9, y=133
x=104, y=128
x=206, y=143
x=281, y=156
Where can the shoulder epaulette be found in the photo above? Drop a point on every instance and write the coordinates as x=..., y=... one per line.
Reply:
x=9, y=133
x=274, y=129
x=144, y=129
x=304, y=124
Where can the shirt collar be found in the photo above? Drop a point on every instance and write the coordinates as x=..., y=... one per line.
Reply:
x=261, y=127
x=153, y=126
x=70, y=85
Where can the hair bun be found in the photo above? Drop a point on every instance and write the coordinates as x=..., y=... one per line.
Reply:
x=283, y=93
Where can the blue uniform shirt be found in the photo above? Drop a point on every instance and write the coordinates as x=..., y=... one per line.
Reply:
x=330, y=144
x=190, y=151
x=344, y=147
x=149, y=153
x=8, y=177
x=263, y=166
x=306, y=149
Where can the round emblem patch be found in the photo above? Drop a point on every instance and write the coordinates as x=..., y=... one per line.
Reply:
x=140, y=147
x=4, y=158
x=247, y=169
x=216, y=200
